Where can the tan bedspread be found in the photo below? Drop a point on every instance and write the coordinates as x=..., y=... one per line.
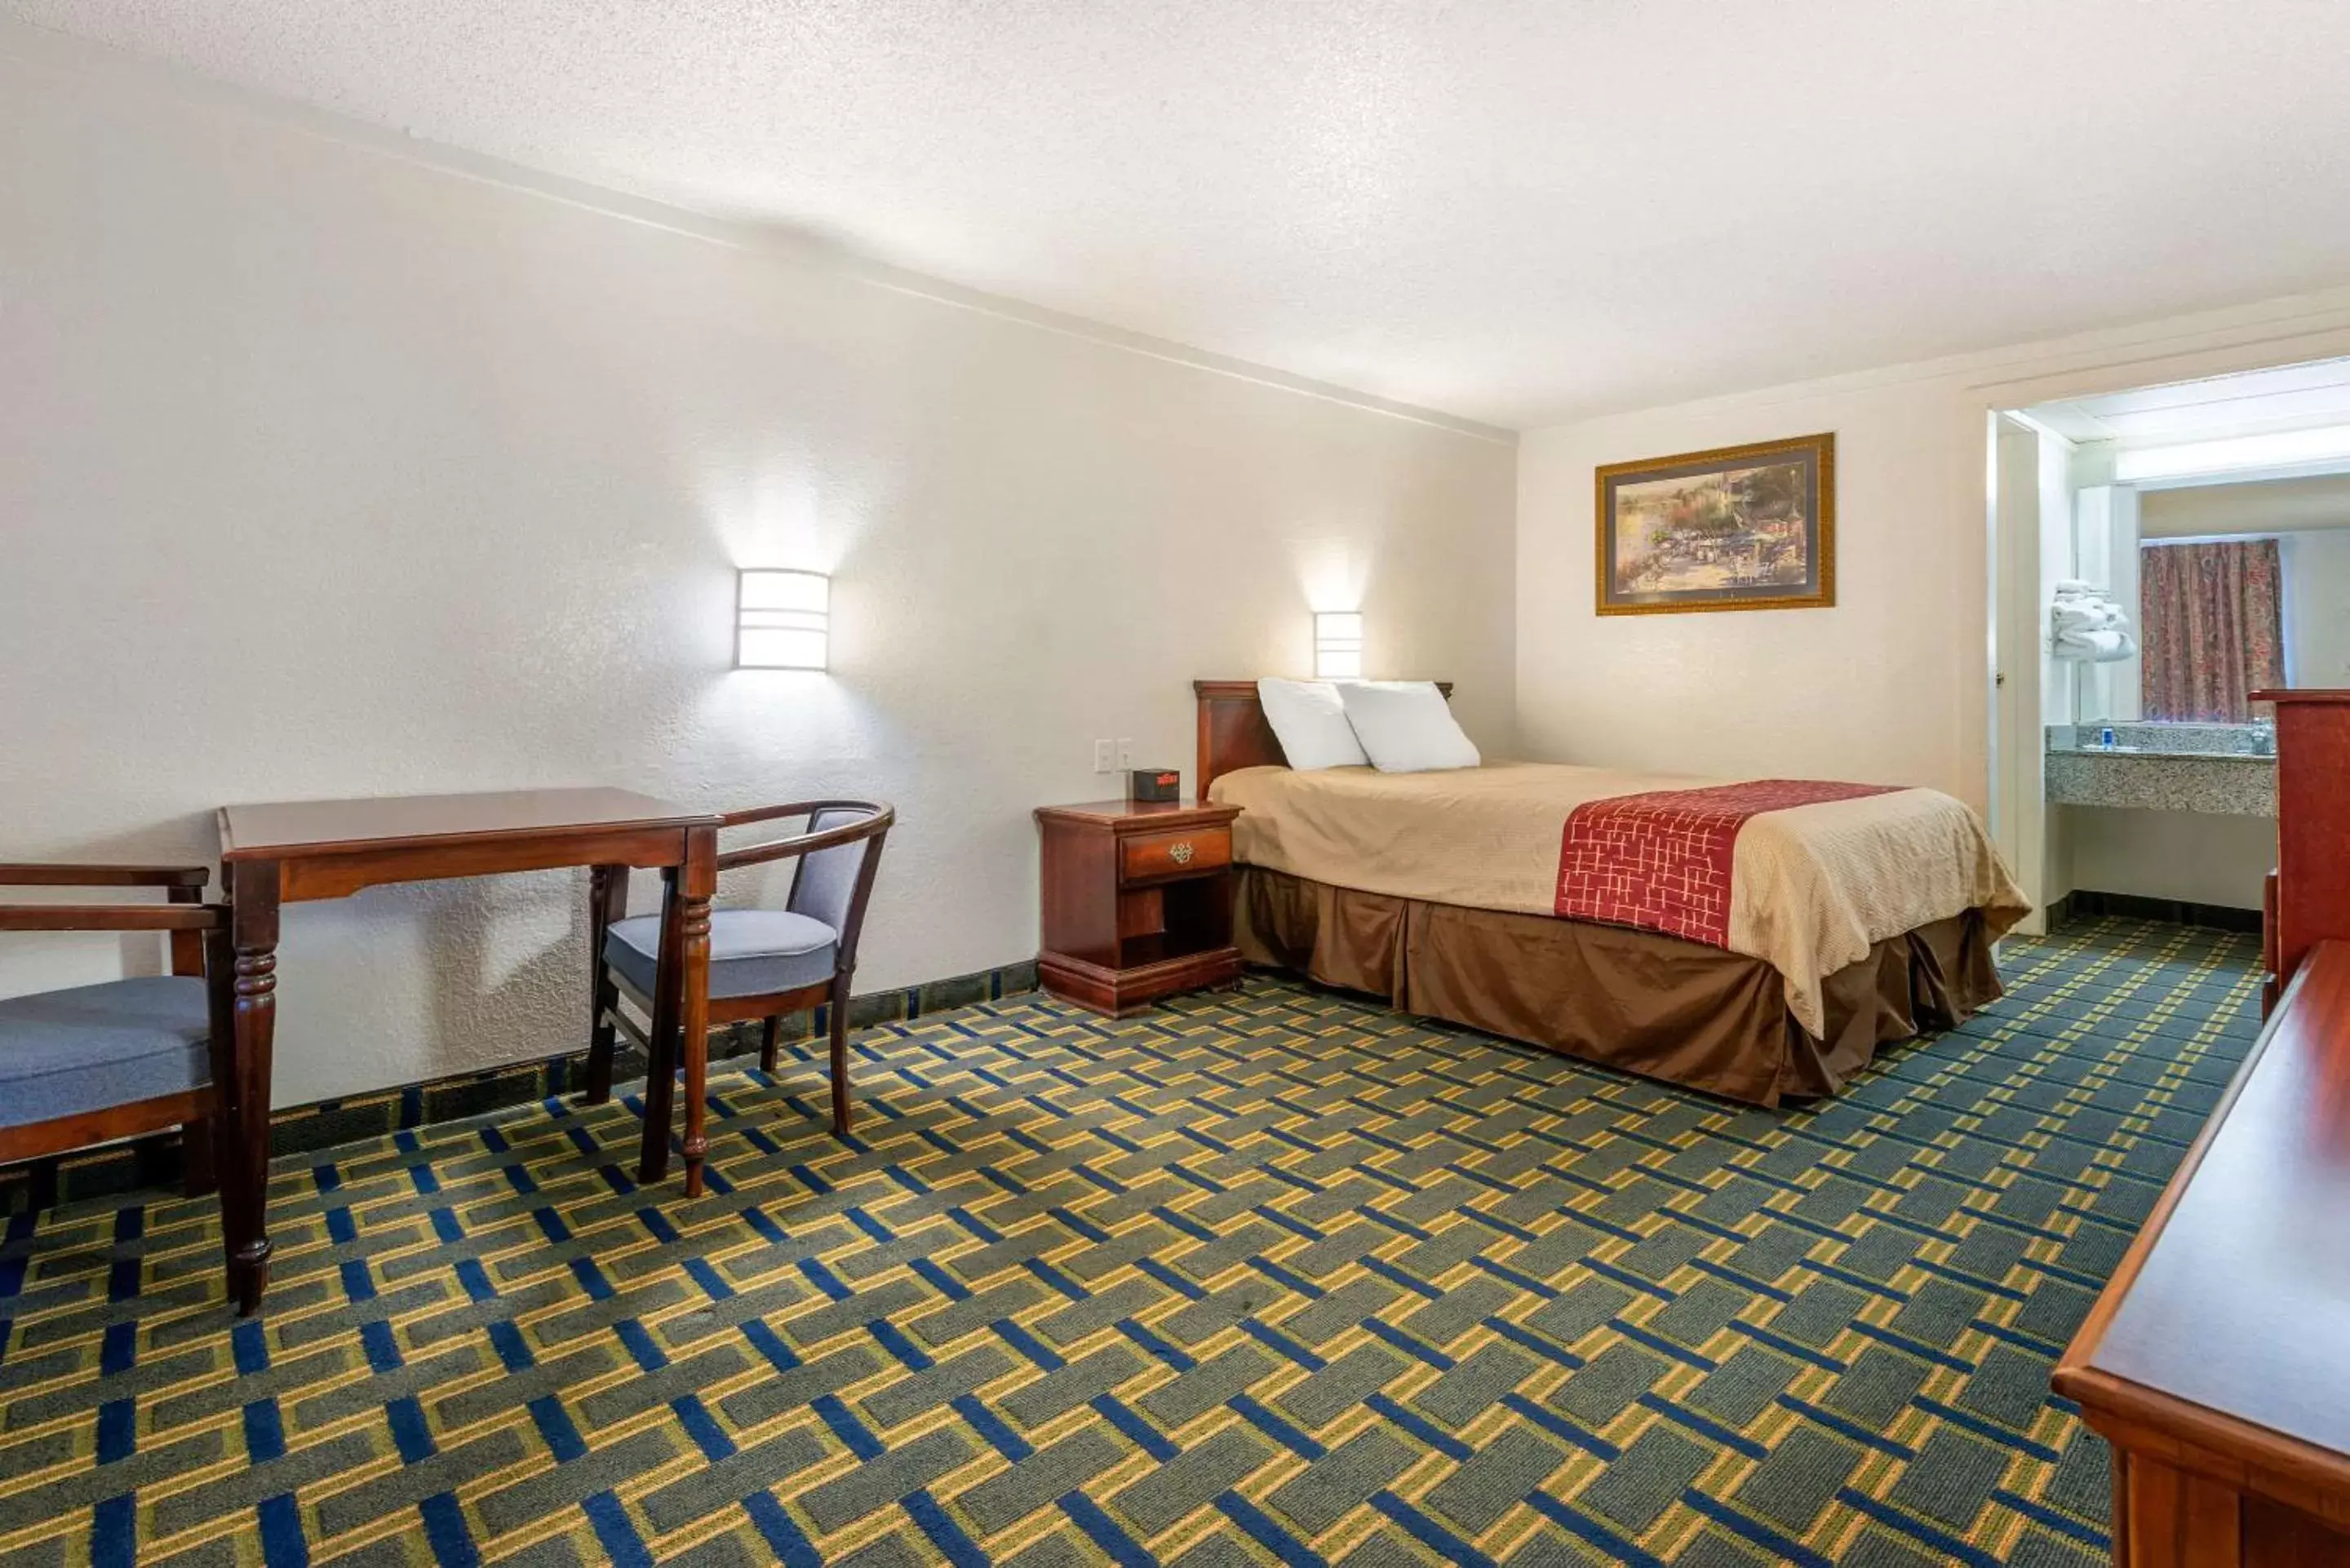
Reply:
x=1813, y=888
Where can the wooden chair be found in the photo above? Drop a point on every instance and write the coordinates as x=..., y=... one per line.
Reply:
x=123, y=1057
x=764, y=963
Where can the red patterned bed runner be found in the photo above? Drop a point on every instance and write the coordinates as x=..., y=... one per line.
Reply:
x=1662, y=861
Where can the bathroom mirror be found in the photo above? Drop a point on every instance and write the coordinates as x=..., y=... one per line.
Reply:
x=2227, y=588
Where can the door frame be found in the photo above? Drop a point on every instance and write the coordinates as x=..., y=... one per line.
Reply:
x=2013, y=762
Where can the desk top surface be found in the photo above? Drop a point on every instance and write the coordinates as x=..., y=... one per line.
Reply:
x=291, y=829
x=2240, y=1304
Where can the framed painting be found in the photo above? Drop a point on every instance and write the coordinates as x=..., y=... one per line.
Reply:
x=1740, y=527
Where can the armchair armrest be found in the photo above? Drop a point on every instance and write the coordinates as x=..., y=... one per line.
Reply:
x=58, y=874
x=878, y=819
x=796, y=808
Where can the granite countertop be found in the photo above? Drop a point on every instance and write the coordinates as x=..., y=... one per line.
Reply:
x=2226, y=785
x=2193, y=740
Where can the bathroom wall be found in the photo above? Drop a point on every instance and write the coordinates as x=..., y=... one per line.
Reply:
x=2191, y=856
x=2106, y=532
x=2317, y=605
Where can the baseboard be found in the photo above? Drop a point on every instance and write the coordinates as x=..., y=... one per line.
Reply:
x=2081, y=904
x=115, y=1168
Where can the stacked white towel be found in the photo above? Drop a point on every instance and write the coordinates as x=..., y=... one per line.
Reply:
x=2087, y=623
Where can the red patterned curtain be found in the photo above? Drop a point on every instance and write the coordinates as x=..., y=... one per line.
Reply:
x=2213, y=627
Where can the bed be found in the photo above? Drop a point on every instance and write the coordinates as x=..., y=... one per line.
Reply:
x=1846, y=917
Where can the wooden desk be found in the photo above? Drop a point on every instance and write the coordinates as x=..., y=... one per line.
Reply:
x=283, y=854
x=2217, y=1361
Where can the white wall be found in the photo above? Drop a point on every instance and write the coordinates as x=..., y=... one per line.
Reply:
x=2199, y=857
x=2317, y=605
x=2062, y=528
x=2106, y=525
x=329, y=469
x=2254, y=506
x=1858, y=691
x=1893, y=684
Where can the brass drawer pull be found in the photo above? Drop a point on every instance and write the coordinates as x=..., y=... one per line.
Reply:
x=1179, y=852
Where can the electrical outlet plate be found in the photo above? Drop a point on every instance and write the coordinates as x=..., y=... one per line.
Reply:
x=1105, y=757
x=1125, y=753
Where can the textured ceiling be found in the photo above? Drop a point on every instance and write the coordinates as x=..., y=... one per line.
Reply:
x=1513, y=210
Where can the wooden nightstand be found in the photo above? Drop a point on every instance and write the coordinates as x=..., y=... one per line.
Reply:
x=1137, y=901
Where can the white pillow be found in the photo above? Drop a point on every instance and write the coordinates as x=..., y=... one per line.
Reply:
x=1406, y=726
x=1310, y=722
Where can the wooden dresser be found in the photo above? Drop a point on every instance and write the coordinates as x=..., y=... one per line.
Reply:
x=2216, y=1362
x=2309, y=893
x=1137, y=901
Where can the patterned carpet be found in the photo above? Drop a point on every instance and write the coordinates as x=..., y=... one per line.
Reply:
x=1272, y=1276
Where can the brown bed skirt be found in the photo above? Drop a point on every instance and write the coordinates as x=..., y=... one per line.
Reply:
x=1638, y=1001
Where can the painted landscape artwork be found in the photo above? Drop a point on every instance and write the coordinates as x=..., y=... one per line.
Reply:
x=1739, y=528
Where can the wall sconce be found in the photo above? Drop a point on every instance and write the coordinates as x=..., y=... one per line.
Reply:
x=782, y=620
x=1337, y=645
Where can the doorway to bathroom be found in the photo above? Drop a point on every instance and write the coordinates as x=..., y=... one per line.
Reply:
x=2192, y=549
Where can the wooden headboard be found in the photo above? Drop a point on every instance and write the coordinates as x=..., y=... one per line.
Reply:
x=1233, y=733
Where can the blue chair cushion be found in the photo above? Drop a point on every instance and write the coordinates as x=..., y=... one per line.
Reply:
x=97, y=1046
x=752, y=952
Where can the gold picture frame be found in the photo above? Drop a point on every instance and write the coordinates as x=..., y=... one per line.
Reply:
x=1734, y=528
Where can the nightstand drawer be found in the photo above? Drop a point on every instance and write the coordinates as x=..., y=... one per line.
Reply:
x=1143, y=858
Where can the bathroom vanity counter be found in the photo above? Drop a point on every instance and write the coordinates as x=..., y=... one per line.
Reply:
x=2164, y=781
x=2211, y=768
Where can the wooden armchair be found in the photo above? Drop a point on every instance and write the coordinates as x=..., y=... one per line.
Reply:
x=764, y=963
x=123, y=1057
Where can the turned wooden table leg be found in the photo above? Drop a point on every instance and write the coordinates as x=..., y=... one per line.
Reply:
x=701, y=882
x=245, y=1173
x=608, y=902
x=660, y=1039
